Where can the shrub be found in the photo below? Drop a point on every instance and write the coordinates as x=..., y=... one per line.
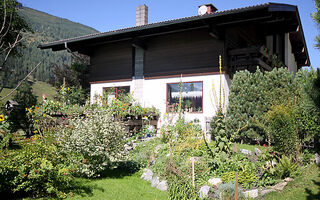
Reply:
x=283, y=129
x=227, y=191
x=96, y=141
x=286, y=167
x=251, y=96
x=37, y=169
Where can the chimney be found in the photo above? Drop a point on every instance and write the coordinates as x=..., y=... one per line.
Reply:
x=207, y=9
x=142, y=15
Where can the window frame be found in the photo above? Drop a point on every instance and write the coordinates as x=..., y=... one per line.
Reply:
x=167, y=106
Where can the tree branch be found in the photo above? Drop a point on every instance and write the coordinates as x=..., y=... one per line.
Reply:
x=19, y=84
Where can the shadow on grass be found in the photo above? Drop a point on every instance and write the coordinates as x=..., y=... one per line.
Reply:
x=311, y=195
x=121, y=169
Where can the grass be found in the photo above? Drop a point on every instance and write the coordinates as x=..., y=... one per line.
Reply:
x=306, y=186
x=248, y=147
x=119, y=185
x=40, y=88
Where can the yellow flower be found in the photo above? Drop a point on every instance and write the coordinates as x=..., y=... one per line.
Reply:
x=165, y=113
x=2, y=118
x=35, y=120
x=190, y=124
x=35, y=131
x=68, y=88
x=29, y=110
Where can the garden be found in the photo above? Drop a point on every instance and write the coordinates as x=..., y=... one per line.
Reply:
x=266, y=139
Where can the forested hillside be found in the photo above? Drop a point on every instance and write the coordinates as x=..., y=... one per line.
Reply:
x=46, y=28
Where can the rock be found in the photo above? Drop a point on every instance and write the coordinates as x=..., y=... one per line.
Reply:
x=257, y=151
x=163, y=186
x=147, y=174
x=266, y=191
x=251, y=193
x=215, y=181
x=204, y=190
x=288, y=179
x=157, y=148
x=155, y=181
x=246, y=152
x=168, y=155
x=317, y=158
x=280, y=186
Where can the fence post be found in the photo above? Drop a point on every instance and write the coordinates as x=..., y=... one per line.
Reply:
x=236, y=187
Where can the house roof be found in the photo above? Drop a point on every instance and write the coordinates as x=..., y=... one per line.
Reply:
x=78, y=43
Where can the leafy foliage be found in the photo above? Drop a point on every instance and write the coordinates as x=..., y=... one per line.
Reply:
x=316, y=18
x=286, y=167
x=37, y=169
x=95, y=141
x=283, y=129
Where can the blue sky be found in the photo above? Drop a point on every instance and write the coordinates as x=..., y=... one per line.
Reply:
x=105, y=15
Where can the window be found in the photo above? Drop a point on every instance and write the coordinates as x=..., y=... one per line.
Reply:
x=191, y=96
x=110, y=93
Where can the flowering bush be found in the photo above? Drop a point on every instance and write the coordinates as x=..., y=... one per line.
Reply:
x=4, y=131
x=36, y=169
x=96, y=141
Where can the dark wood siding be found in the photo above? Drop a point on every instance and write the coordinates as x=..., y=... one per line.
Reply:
x=112, y=62
x=188, y=52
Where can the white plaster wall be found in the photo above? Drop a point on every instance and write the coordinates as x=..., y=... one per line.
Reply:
x=155, y=94
x=96, y=89
x=289, y=56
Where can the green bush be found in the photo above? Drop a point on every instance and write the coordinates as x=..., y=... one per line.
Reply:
x=36, y=169
x=286, y=167
x=227, y=191
x=96, y=141
x=251, y=96
x=283, y=129
x=245, y=178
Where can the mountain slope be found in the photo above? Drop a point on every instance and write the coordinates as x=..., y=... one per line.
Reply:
x=46, y=28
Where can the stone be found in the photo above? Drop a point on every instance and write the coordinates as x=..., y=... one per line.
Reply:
x=251, y=193
x=288, y=179
x=204, y=190
x=215, y=181
x=257, y=151
x=246, y=151
x=317, y=158
x=163, y=186
x=266, y=191
x=280, y=186
x=147, y=175
x=155, y=181
x=168, y=155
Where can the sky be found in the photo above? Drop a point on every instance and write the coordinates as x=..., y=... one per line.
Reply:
x=106, y=15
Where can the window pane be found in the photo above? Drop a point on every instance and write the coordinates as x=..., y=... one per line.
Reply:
x=191, y=97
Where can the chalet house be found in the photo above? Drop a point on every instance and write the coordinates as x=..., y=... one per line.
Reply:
x=150, y=60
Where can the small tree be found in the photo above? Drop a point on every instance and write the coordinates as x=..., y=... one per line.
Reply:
x=11, y=28
x=18, y=116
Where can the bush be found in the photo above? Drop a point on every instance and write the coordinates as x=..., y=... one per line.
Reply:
x=283, y=129
x=227, y=192
x=37, y=169
x=286, y=167
x=251, y=96
x=95, y=141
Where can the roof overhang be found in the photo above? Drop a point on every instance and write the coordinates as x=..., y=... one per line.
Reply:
x=282, y=17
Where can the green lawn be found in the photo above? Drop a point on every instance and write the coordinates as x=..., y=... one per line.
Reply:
x=40, y=88
x=119, y=186
x=248, y=147
x=307, y=187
